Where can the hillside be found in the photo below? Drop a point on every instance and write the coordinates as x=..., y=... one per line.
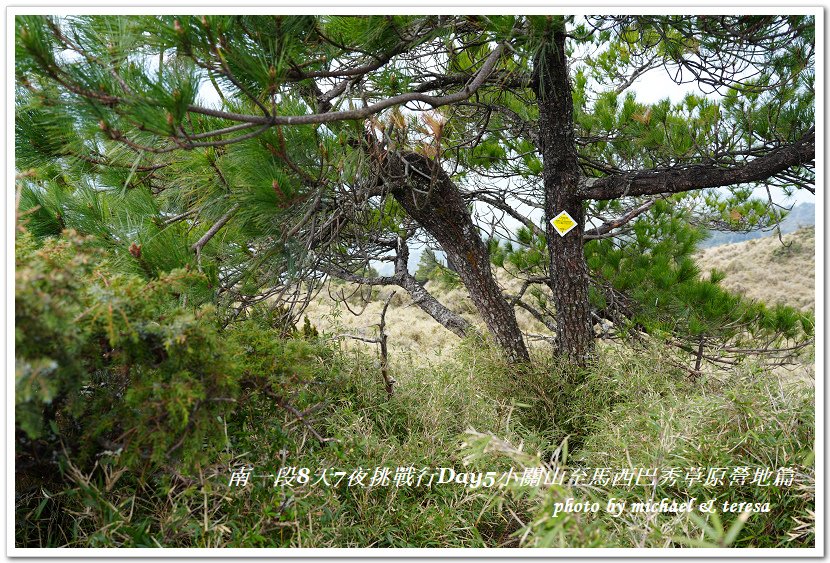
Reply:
x=761, y=269
x=767, y=269
x=800, y=216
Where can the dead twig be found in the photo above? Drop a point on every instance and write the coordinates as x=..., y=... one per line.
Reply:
x=283, y=403
x=381, y=340
x=388, y=381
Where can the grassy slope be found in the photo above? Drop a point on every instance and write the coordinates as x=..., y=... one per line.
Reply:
x=412, y=333
x=767, y=269
x=458, y=405
x=634, y=407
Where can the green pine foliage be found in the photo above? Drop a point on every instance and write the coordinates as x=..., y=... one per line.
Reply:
x=647, y=280
x=127, y=225
x=68, y=124
x=665, y=294
x=431, y=269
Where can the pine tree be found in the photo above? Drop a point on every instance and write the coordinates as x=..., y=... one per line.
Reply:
x=306, y=165
x=426, y=265
x=649, y=286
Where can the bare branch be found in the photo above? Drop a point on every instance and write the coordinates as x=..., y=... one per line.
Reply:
x=388, y=381
x=608, y=226
x=198, y=245
x=638, y=72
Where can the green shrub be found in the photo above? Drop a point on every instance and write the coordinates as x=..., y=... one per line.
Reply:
x=110, y=361
x=126, y=396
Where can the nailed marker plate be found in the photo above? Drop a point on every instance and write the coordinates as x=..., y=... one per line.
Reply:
x=563, y=223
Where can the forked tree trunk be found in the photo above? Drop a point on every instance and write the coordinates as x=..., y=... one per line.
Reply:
x=429, y=196
x=561, y=175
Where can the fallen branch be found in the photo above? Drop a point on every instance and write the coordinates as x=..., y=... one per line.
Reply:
x=297, y=414
x=388, y=380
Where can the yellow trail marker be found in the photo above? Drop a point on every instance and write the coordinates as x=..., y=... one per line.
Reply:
x=563, y=223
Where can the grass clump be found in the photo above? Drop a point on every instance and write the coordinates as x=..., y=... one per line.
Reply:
x=633, y=410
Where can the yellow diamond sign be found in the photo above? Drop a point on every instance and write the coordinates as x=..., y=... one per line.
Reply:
x=563, y=223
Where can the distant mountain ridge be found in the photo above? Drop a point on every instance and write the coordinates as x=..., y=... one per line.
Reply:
x=768, y=269
x=801, y=215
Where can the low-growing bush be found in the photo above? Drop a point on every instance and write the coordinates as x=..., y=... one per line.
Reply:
x=119, y=380
x=107, y=360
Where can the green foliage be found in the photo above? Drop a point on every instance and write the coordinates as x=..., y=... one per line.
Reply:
x=106, y=357
x=127, y=224
x=115, y=373
x=649, y=278
x=430, y=269
x=528, y=255
x=309, y=331
x=665, y=294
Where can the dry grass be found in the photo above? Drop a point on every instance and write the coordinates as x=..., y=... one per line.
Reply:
x=412, y=333
x=776, y=273
x=767, y=270
x=761, y=269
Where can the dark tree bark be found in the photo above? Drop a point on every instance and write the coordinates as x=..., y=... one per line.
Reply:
x=701, y=176
x=430, y=197
x=561, y=177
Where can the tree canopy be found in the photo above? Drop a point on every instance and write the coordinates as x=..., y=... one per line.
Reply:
x=273, y=151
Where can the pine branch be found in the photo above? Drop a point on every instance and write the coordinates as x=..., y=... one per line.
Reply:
x=362, y=113
x=608, y=226
x=676, y=180
x=197, y=247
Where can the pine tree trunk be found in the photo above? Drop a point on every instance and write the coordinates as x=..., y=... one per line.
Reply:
x=561, y=175
x=436, y=204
